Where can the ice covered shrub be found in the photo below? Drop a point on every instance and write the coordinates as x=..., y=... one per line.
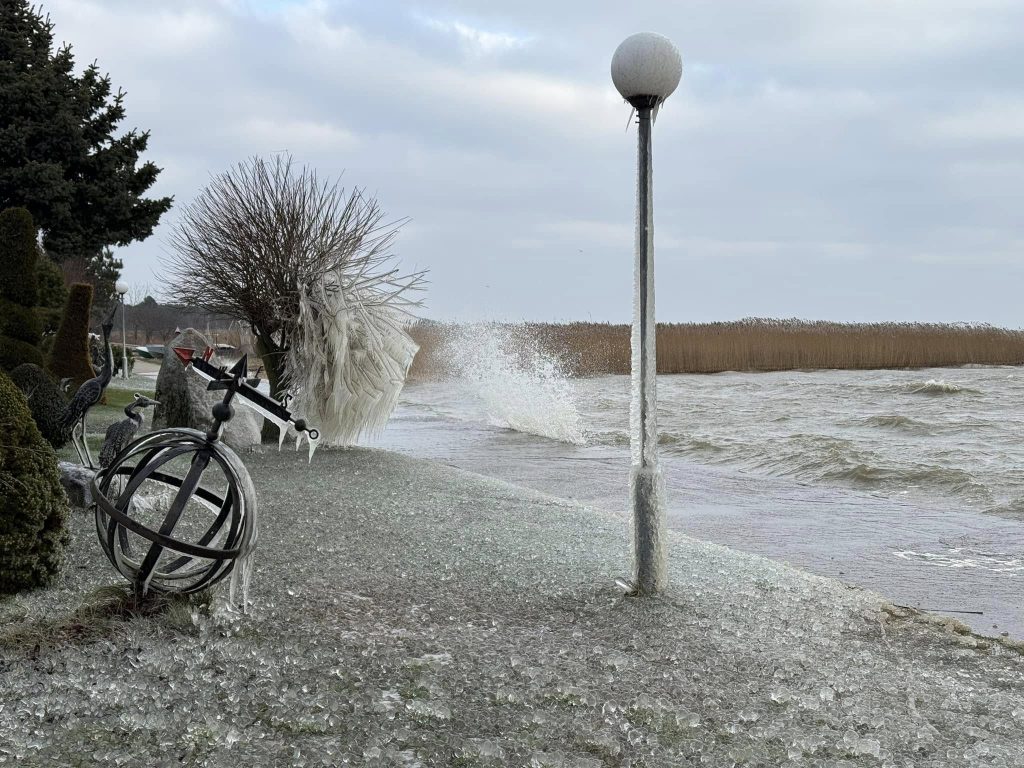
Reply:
x=308, y=267
x=19, y=326
x=69, y=356
x=33, y=508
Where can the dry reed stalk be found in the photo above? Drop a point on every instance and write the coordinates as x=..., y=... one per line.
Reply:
x=754, y=344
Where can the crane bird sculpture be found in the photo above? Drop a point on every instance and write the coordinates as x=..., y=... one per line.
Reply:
x=120, y=433
x=176, y=509
x=89, y=394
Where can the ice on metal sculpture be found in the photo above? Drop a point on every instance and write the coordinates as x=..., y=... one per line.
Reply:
x=176, y=510
x=277, y=413
x=349, y=352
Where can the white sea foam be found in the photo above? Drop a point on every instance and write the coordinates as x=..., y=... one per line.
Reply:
x=938, y=387
x=513, y=382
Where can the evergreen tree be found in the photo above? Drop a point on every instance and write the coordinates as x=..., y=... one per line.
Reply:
x=19, y=325
x=60, y=156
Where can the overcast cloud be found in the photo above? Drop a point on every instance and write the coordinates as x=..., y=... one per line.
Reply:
x=826, y=159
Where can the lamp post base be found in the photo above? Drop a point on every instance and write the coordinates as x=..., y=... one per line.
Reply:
x=647, y=494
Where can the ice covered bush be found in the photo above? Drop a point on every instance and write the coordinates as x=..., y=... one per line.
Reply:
x=308, y=267
x=33, y=508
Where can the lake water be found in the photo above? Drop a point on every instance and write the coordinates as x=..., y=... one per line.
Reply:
x=906, y=482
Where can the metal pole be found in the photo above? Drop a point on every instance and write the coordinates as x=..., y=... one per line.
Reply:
x=124, y=343
x=646, y=485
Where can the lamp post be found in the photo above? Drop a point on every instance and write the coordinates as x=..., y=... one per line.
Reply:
x=646, y=68
x=122, y=289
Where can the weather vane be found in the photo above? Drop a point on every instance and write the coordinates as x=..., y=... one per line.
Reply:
x=176, y=509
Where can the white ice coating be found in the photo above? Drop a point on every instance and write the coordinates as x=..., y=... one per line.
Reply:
x=348, y=356
x=646, y=484
x=410, y=614
x=245, y=564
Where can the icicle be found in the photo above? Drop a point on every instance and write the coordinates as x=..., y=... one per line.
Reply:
x=349, y=353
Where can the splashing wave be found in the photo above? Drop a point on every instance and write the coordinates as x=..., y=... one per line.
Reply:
x=939, y=387
x=516, y=385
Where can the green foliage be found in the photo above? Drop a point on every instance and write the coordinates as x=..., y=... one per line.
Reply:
x=45, y=401
x=104, y=271
x=19, y=326
x=69, y=356
x=18, y=254
x=14, y=352
x=119, y=355
x=60, y=155
x=33, y=507
x=52, y=294
x=98, y=360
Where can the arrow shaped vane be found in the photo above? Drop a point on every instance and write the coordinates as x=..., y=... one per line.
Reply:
x=235, y=380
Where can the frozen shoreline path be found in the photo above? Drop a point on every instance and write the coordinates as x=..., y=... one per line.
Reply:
x=407, y=613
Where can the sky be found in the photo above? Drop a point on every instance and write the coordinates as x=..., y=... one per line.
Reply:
x=851, y=160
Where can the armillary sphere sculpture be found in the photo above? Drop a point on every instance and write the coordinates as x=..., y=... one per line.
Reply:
x=176, y=509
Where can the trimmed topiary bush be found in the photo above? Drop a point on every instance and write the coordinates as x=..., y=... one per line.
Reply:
x=33, y=507
x=20, y=330
x=52, y=295
x=69, y=356
x=46, y=401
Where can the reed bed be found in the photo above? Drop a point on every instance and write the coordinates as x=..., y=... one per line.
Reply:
x=753, y=344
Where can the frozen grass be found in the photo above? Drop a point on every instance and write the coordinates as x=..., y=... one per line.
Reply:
x=411, y=614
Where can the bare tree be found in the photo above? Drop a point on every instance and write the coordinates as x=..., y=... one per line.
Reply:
x=263, y=238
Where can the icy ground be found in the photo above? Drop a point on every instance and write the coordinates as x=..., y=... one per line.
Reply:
x=411, y=614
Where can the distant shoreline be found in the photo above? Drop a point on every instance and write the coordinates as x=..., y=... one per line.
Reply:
x=758, y=344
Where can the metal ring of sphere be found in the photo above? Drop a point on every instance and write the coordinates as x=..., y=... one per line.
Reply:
x=200, y=564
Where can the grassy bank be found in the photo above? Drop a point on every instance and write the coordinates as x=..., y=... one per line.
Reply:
x=756, y=344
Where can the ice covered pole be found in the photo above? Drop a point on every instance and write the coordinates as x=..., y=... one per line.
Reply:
x=646, y=69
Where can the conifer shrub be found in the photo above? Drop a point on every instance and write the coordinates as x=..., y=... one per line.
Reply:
x=33, y=507
x=45, y=399
x=20, y=331
x=69, y=356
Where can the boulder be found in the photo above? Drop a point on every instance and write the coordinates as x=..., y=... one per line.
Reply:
x=185, y=402
x=77, y=482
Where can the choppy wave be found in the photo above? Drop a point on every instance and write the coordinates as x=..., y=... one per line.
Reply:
x=956, y=482
x=896, y=422
x=671, y=443
x=1013, y=509
x=515, y=385
x=939, y=387
x=960, y=557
